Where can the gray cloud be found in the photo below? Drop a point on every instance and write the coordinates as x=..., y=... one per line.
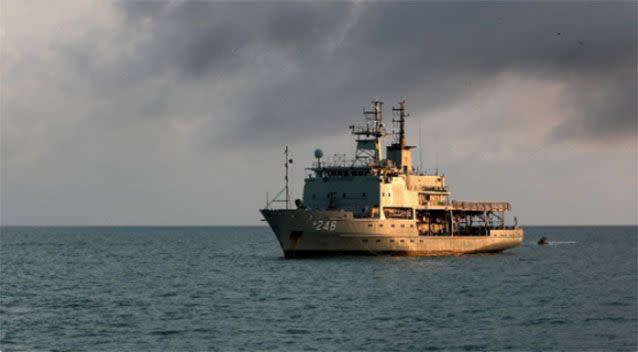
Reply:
x=432, y=52
x=606, y=110
x=200, y=37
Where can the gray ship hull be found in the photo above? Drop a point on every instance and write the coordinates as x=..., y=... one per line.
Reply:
x=303, y=233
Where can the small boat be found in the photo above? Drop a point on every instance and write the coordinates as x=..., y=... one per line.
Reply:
x=543, y=241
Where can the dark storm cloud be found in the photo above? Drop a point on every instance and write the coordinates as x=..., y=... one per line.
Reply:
x=198, y=37
x=606, y=113
x=434, y=53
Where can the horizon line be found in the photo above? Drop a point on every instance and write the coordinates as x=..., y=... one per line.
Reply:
x=266, y=225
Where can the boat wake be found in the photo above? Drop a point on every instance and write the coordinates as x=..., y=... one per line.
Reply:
x=552, y=243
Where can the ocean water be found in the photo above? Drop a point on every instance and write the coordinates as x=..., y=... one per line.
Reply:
x=228, y=288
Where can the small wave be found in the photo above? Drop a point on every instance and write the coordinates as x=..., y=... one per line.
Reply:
x=166, y=332
x=612, y=319
x=17, y=310
x=297, y=331
x=382, y=318
x=474, y=347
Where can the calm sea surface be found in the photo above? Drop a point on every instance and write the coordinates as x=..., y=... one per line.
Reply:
x=228, y=288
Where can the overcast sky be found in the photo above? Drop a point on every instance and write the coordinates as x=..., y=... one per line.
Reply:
x=175, y=113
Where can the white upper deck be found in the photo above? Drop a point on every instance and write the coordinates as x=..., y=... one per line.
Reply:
x=370, y=185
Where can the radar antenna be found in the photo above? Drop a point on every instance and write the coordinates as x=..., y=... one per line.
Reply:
x=369, y=133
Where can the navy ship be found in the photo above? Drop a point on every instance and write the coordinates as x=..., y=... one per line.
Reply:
x=378, y=204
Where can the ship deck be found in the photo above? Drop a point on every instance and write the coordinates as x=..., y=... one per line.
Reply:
x=480, y=206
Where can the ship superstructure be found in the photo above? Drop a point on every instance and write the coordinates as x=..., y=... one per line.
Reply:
x=383, y=205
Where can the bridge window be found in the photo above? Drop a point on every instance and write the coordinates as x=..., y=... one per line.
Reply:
x=397, y=213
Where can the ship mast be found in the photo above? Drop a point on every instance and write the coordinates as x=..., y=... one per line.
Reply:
x=286, y=189
x=287, y=161
x=370, y=133
x=399, y=152
x=402, y=115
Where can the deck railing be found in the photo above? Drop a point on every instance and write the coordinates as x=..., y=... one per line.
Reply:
x=481, y=206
